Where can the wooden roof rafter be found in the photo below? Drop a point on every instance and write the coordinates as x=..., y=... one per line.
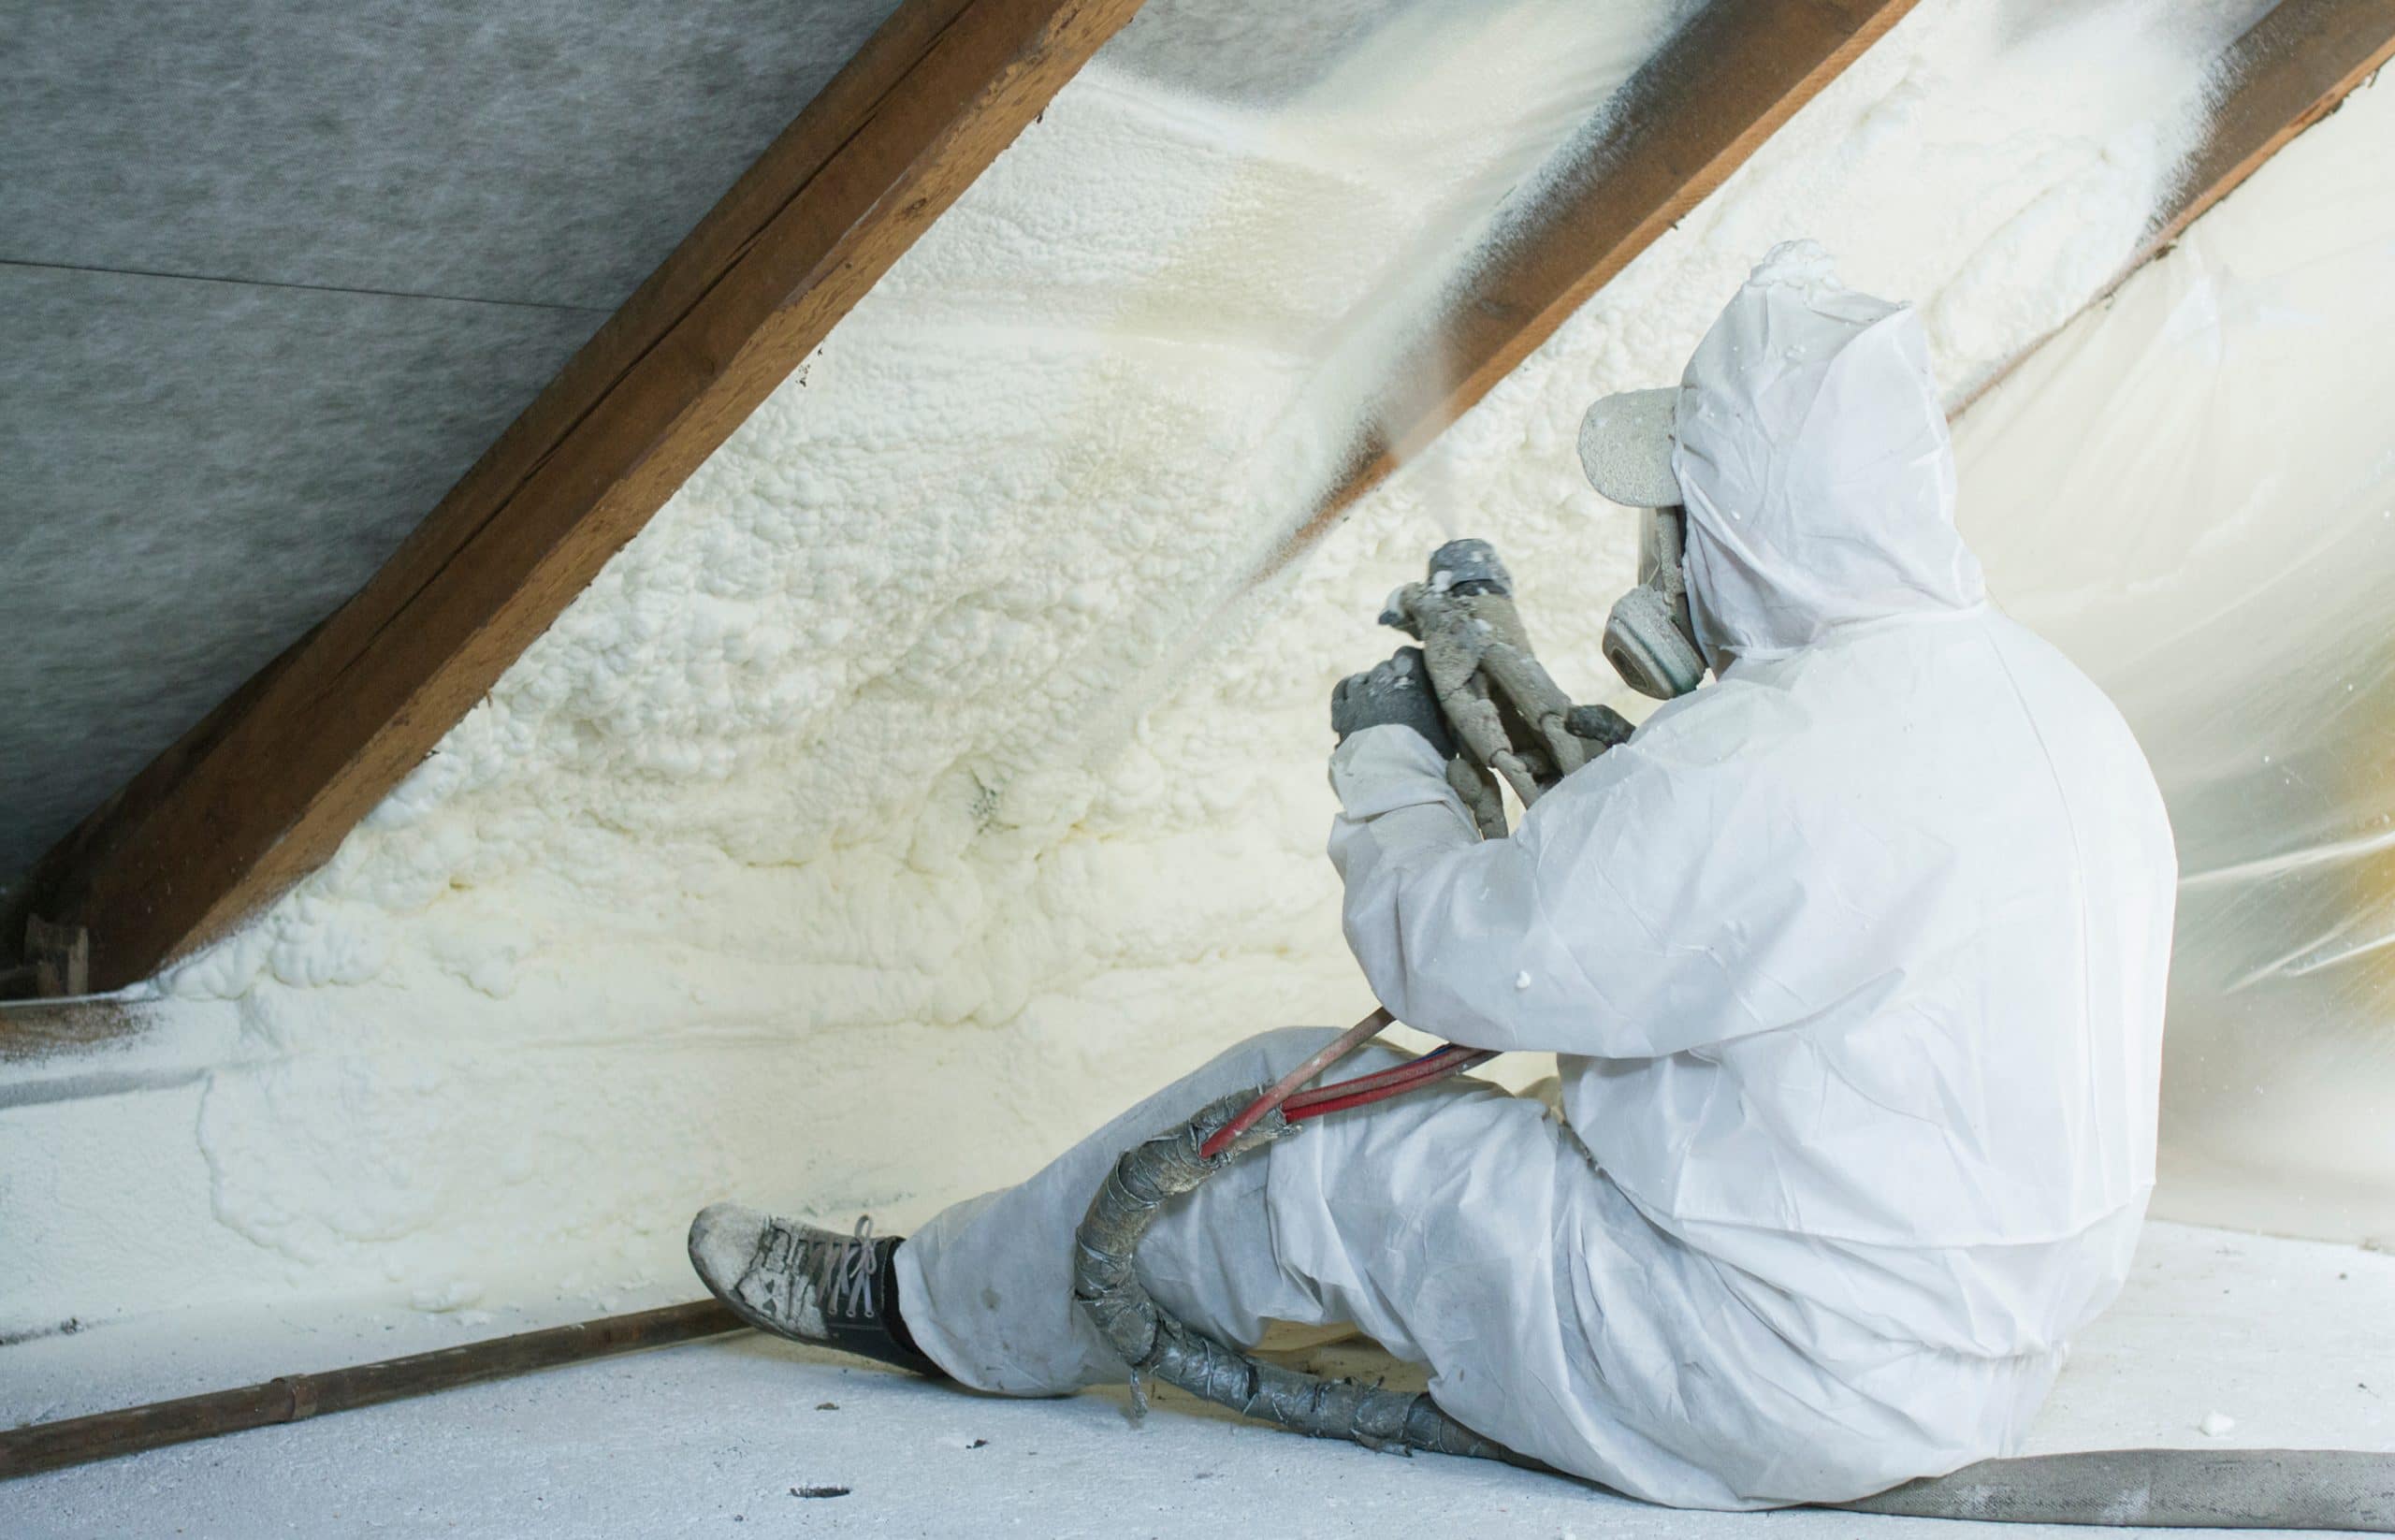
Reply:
x=1690, y=116
x=2291, y=68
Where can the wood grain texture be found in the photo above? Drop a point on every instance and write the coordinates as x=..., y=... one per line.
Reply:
x=36, y=1029
x=1689, y=117
x=262, y=792
x=2288, y=71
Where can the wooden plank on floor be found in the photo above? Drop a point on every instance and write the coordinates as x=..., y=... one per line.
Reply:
x=263, y=790
x=1684, y=123
x=35, y=1029
x=2289, y=70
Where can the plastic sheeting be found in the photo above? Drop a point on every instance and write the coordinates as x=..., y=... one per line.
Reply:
x=2192, y=491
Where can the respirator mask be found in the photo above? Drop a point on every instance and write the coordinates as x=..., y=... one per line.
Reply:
x=1651, y=640
x=1651, y=636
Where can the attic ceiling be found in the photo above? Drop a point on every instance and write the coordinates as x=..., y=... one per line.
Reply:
x=273, y=273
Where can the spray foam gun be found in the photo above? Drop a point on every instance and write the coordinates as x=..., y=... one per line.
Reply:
x=1510, y=720
x=1513, y=726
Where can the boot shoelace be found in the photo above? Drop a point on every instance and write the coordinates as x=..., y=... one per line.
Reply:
x=841, y=1267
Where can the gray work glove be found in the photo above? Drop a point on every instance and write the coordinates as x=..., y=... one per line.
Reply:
x=1399, y=691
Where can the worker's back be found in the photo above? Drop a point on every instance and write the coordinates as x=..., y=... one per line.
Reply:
x=1952, y=1145
x=1934, y=1069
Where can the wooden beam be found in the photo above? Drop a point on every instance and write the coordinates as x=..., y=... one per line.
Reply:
x=37, y=1029
x=1689, y=117
x=2289, y=70
x=263, y=790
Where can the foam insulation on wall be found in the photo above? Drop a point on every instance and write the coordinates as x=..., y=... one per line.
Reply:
x=926, y=780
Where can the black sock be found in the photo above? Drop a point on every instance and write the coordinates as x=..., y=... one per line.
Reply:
x=886, y=1277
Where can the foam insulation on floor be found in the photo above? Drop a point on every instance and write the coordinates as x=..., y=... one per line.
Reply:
x=925, y=781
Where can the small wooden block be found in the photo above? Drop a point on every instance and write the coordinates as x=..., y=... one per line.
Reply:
x=61, y=956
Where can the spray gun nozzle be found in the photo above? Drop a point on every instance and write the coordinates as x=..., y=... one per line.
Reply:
x=1469, y=567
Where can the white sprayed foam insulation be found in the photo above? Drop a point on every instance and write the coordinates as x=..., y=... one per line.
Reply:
x=923, y=783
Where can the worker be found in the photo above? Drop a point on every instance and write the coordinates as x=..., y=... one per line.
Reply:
x=1853, y=960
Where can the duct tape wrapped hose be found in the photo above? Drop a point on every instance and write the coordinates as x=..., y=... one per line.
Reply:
x=1106, y=1284
x=2174, y=1489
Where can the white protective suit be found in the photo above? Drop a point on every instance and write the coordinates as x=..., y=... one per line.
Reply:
x=1854, y=961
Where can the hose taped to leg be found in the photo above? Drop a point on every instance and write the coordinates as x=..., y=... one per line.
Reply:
x=1106, y=1285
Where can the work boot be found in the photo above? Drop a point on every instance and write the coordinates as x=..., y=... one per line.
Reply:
x=809, y=1285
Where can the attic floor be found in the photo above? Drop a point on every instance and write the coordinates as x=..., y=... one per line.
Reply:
x=2294, y=1339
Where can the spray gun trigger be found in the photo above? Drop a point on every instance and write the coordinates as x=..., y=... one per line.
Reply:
x=1598, y=724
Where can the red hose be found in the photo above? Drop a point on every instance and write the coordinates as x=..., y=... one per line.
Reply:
x=1286, y=1086
x=1338, y=1097
x=1296, y=1105
x=1409, y=1070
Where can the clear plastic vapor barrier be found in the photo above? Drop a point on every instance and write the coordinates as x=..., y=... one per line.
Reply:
x=2192, y=491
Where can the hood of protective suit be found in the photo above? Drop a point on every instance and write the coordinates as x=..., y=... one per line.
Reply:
x=1813, y=452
